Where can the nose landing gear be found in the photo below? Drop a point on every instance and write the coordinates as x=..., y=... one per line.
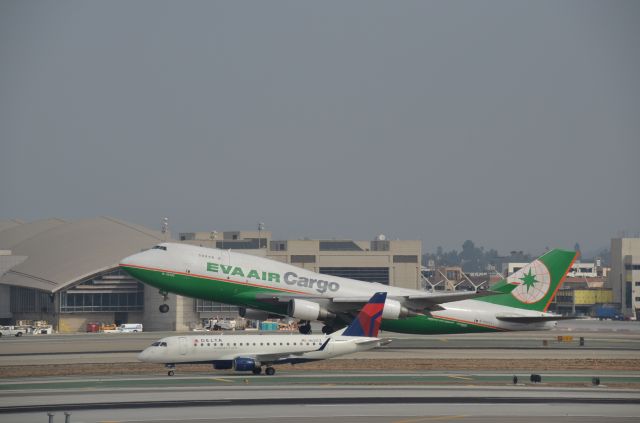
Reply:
x=172, y=368
x=164, y=308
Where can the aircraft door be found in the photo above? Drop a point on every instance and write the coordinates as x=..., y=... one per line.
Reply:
x=182, y=342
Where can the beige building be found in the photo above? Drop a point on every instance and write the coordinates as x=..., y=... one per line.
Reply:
x=390, y=262
x=67, y=273
x=624, y=277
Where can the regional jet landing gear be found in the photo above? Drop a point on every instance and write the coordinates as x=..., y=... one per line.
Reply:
x=164, y=308
x=269, y=371
x=304, y=327
x=172, y=368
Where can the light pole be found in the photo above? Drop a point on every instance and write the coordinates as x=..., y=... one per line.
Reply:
x=260, y=229
x=165, y=227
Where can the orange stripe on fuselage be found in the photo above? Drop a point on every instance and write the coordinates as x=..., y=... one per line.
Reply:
x=215, y=279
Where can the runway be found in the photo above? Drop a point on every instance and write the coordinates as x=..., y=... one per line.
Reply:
x=602, y=340
x=312, y=397
x=389, y=390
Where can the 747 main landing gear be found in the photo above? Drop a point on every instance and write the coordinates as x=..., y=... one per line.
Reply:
x=164, y=308
x=305, y=327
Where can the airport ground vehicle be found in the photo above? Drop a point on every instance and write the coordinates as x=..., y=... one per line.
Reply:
x=604, y=312
x=130, y=327
x=12, y=331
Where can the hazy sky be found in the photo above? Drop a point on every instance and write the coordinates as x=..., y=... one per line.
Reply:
x=514, y=124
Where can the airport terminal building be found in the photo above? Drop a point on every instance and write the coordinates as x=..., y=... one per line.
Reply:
x=66, y=272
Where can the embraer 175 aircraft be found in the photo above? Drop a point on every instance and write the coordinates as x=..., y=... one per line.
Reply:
x=263, y=286
x=248, y=353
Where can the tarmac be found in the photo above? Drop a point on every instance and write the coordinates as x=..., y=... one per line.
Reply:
x=380, y=395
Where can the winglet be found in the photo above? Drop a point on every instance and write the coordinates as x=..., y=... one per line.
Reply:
x=367, y=323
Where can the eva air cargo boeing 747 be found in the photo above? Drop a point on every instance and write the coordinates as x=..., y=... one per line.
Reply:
x=262, y=286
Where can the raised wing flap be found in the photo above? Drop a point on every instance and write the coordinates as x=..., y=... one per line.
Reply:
x=533, y=319
x=431, y=301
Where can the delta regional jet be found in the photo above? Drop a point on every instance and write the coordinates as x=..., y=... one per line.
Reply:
x=251, y=352
x=264, y=287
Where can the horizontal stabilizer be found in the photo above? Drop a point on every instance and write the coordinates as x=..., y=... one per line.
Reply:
x=367, y=341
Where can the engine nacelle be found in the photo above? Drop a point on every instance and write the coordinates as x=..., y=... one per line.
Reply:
x=308, y=310
x=245, y=364
x=223, y=364
x=393, y=310
x=253, y=314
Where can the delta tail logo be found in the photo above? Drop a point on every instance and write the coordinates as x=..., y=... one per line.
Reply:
x=533, y=282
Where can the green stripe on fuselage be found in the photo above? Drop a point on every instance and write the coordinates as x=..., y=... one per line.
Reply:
x=208, y=289
x=245, y=296
x=428, y=325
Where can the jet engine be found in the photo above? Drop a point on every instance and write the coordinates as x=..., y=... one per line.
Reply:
x=308, y=310
x=245, y=364
x=253, y=314
x=393, y=310
x=222, y=364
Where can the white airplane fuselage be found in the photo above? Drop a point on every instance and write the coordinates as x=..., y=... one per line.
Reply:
x=235, y=278
x=206, y=348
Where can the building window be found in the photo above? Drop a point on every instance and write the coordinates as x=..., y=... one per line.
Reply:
x=242, y=244
x=339, y=246
x=114, y=291
x=303, y=258
x=405, y=259
x=628, y=295
x=368, y=274
x=380, y=245
x=278, y=246
x=632, y=267
x=204, y=306
x=29, y=300
x=72, y=302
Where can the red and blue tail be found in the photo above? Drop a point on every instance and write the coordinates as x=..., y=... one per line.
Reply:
x=367, y=322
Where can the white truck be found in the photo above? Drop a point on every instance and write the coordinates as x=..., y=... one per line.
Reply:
x=12, y=331
x=130, y=327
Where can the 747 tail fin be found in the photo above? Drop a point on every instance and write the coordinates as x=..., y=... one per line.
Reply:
x=534, y=286
x=367, y=323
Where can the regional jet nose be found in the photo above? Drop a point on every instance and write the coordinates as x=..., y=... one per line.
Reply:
x=144, y=355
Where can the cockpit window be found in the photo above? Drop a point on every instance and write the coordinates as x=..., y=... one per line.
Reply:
x=159, y=247
x=163, y=344
x=159, y=344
